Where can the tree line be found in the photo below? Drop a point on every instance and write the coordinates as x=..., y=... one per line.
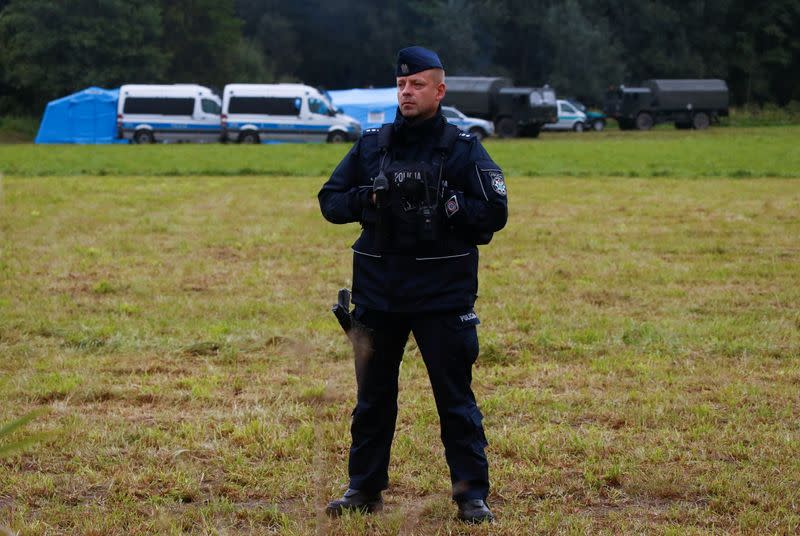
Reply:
x=50, y=48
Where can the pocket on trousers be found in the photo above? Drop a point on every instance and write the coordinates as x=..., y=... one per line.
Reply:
x=464, y=328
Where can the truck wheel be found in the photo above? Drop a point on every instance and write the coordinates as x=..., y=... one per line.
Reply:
x=337, y=136
x=143, y=136
x=644, y=121
x=478, y=133
x=249, y=137
x=578, y=126
x=598, y=125
x=700, y=121
x=506, y=128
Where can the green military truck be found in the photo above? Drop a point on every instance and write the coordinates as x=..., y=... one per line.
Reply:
x=687, y=103
x=514, y=110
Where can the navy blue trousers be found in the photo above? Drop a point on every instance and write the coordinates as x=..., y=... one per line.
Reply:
x=448, y=343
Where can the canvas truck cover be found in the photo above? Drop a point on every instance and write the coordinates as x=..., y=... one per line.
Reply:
x=474, y=95
x=701, y=94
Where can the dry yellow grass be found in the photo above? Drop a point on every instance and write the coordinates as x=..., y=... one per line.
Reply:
x=639, y=371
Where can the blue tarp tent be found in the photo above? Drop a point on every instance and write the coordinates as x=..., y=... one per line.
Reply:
x=88, y=116
x=370, y=107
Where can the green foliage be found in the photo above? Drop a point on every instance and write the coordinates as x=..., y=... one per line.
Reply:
x=202, y=40
x=767, y=115
x=18, y=129
x=48, y=49
x=580, y=47
x=585, y=55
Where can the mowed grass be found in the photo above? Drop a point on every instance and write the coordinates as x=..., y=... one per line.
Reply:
x=639, y=369
x=728, y=152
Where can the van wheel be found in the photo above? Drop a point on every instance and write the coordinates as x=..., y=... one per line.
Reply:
x=644, y=121
x=337, y=136
x=478, y=133
x=143, y=136
x=578, y=127
x=248, y=137
x=506, y=128
x=598, y=125
x=700, y=121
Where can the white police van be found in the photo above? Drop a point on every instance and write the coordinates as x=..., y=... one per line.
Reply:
x=179, y=112
x=252, y=113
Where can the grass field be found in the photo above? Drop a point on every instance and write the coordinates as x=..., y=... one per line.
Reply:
x=169, y=307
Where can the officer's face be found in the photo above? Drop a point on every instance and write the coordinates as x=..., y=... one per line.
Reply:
x=419, y=94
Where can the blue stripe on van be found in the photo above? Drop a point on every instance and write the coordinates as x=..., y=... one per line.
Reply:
x=171, y=126
x=270, y=127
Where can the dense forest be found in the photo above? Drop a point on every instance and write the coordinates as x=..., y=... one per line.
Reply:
x=49, y=48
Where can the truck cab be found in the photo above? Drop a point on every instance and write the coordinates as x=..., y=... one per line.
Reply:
x=513, y=110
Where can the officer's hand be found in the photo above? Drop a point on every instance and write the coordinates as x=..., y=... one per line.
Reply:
x=372, y=198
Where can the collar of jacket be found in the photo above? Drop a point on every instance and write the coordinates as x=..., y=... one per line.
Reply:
x=411, y=131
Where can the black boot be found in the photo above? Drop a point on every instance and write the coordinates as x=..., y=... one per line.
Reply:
x=355, y=500
x=474, y=511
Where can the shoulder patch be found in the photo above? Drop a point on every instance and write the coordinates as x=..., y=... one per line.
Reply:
x=498, y=182
x=465, y=135
x=370, y=131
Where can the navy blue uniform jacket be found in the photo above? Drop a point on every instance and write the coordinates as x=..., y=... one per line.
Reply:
x=431, y=276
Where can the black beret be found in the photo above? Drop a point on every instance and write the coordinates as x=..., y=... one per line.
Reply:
x=412, y=60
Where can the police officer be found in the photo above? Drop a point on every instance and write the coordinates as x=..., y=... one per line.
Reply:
x=426, y=195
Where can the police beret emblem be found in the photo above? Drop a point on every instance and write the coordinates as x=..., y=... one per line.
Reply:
x=498, y=182
x=404, y=68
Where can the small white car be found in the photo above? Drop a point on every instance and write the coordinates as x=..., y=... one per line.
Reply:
x=569, y=118
x=479, y=128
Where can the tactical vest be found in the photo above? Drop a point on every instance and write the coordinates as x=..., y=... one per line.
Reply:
x=411, y=220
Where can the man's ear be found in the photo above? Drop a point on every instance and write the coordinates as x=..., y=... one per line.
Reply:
x=441, y=89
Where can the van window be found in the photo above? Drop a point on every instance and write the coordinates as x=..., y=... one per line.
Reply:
x=450, y=113
x=159, y=106
x=318, y=106
x=211, y=107
x=264, y=105
x=567, y=109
